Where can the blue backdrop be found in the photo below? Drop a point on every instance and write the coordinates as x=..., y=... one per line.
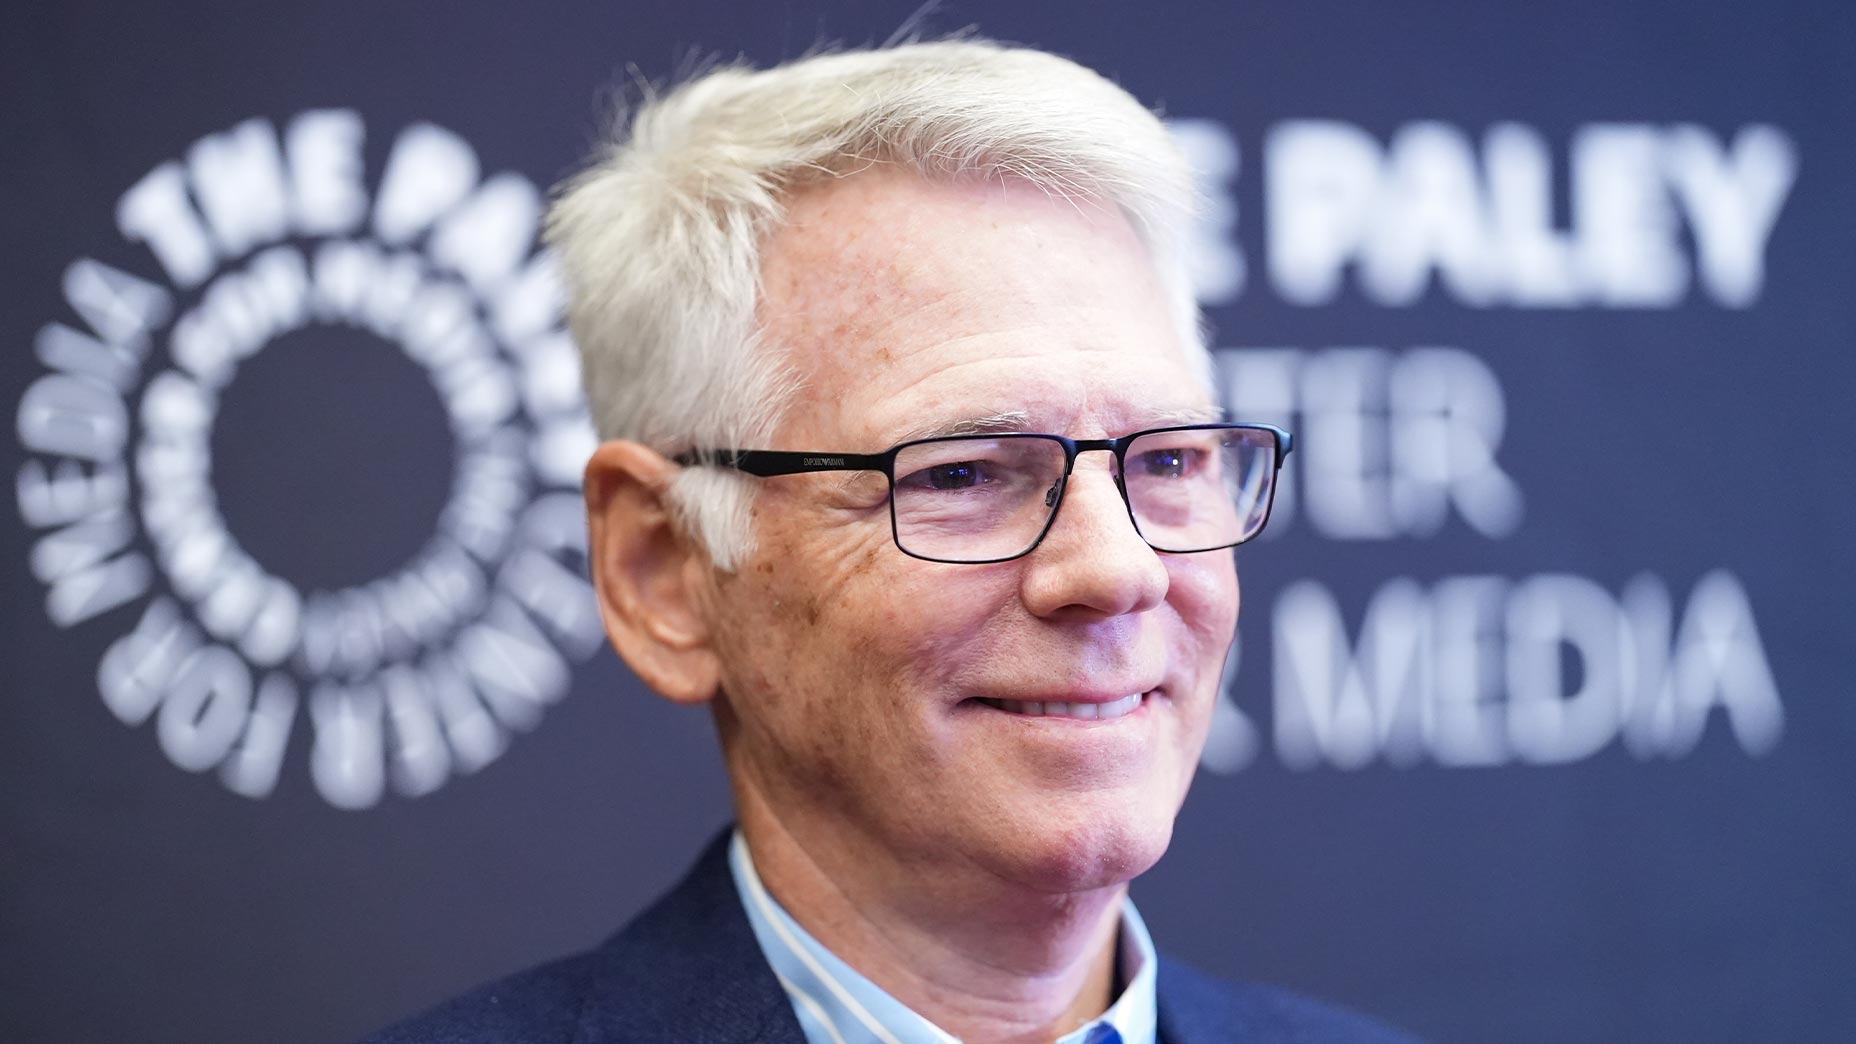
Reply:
x=1540, y=723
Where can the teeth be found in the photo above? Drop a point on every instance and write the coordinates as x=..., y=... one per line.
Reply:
x=1084, y=711
x=1125, y=705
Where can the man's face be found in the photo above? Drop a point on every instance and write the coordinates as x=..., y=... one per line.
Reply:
x=854, y=675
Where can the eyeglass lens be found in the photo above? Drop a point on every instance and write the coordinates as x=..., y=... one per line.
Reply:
x=984, y=498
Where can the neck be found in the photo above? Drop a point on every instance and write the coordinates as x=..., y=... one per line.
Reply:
x=983, y=959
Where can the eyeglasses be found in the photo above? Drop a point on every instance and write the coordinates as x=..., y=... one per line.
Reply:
x=979, y=499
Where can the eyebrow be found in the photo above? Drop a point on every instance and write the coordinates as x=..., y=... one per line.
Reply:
x=1002, y=423
x=1184, y=415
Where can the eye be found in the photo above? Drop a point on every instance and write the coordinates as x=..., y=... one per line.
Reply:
x=955, y=474
x=958, y=475
x=1167, y=463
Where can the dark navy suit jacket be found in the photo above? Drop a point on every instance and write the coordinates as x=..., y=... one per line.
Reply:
x=689, y=971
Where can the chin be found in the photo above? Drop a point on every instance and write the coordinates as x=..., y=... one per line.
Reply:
x=1089, y=849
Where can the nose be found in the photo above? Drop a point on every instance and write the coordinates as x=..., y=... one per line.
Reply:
x=1092, y=564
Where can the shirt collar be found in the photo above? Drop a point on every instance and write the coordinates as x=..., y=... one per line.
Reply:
x=836, y=1005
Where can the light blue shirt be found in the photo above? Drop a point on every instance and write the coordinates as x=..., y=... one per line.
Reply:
x=836, y=1005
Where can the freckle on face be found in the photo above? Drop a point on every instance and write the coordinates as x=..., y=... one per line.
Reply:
x=877, y=657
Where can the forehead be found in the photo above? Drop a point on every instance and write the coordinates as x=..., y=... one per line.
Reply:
x=904, y=305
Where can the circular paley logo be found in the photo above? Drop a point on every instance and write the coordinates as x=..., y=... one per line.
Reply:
x=275, y=231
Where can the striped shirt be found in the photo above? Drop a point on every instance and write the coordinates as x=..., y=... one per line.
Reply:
x=836, y=1005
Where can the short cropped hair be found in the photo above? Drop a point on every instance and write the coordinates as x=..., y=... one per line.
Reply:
x=659, y=236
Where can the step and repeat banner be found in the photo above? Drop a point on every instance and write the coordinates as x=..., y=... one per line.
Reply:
x=1540, y=722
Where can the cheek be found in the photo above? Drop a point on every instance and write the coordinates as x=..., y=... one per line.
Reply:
x=793, y=682
x=768, y=624
x=1204, y=592
x=956, y=629
x=839, y=651
x=1205, y=595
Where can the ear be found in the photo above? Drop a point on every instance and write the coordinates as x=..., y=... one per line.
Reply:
x=646, y=571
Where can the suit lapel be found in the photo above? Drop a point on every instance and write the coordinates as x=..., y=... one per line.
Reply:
x=688, y=969
x=1196, y=1010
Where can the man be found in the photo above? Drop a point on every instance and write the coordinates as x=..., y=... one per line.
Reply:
x=912, y=475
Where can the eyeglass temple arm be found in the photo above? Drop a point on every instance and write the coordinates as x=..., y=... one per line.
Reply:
x=779, y=462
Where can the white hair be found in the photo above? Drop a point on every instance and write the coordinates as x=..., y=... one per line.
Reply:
x=659, y=237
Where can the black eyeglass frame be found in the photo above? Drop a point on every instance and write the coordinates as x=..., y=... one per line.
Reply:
x=770, y=463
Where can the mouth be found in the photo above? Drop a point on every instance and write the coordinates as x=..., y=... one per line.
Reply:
x=1081, y=711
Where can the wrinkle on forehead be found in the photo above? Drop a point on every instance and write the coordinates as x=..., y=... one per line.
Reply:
x=1020, y=422
x=1078, y=409
x=863, y=253
x=882, y=281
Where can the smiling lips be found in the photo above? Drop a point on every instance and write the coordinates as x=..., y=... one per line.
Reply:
x=1082, y=711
